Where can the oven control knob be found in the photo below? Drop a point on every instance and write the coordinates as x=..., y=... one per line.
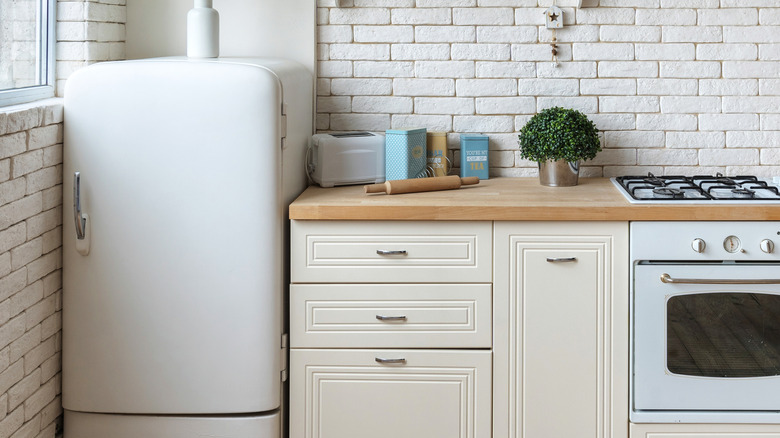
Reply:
x=732, y=244
x=698, y=245
x=767, y=246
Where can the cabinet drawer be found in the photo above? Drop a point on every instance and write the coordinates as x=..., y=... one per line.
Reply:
x=349, y=394
x=391, y=316
x=391, y=252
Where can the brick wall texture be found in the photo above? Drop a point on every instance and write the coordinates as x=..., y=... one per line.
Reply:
x=31, y=227
x=30, y=277
x=88, y=31
x=675, y=86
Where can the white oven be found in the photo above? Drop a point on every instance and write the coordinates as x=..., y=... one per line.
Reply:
x=705, y=320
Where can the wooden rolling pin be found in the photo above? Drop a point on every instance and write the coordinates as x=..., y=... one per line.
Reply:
x=421, y=184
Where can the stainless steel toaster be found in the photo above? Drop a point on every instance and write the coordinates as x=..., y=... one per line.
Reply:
x=340, y=159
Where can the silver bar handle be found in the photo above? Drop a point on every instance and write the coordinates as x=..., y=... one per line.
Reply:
x=389, y=361
x=81, y=222
x=391, y=318
x=391, y=252
x=561, y=259
x=666, y=278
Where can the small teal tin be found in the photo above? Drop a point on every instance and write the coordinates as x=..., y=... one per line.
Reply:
x=404, y=153
x=474, y=155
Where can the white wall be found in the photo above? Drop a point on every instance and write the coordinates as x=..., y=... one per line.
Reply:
x=283, y=28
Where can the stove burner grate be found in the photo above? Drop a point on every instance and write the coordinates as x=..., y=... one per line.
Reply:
x=698, y=188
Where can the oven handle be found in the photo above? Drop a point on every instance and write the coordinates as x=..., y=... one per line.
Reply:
x=666, y=278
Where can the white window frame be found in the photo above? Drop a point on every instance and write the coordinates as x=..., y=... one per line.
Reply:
x=47, y=15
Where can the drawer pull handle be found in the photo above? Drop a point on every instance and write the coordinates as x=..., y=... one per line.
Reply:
x=391, y=318
x=561, y=259
x=389, y=361
x=391, y=252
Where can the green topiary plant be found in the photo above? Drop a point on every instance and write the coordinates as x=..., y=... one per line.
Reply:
x=559, y=134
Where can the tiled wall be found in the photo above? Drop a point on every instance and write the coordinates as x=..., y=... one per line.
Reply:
x=30, y=260
x=676, y=86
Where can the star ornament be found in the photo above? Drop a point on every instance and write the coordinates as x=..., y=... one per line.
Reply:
x=554, y=17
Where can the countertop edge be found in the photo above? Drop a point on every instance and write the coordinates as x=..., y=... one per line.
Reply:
x=457, y=213
x=513, y=199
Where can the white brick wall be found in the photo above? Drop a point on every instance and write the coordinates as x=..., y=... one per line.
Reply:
x=677, y=86
x=30, y=278
x=88, y=31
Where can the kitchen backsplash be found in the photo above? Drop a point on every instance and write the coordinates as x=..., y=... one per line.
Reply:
x=675, y=86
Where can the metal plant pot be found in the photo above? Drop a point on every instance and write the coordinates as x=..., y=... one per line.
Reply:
x=559, y=173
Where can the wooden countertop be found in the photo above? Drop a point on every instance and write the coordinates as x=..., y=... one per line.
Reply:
x=504, y=199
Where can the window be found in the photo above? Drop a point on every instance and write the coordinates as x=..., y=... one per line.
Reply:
x=26, y=50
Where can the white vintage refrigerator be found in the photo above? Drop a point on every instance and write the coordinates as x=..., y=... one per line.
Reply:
x=173, y=298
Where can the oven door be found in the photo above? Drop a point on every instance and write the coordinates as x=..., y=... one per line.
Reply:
x=706, y=337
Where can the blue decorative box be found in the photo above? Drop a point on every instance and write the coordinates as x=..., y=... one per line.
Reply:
x=404, y=153
x=474, y=155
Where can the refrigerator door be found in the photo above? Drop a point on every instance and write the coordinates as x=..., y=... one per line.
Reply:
x=176, y=308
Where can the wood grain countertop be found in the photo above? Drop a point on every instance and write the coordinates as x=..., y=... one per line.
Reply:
x=513, y=199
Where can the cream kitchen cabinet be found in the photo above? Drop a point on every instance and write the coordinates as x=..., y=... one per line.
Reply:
x=390, y=329
x=391, y=315
x=560, y=318
x=391, y=252
x=390, y=393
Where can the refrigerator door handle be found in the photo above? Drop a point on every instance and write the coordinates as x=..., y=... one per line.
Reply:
x=81, y=221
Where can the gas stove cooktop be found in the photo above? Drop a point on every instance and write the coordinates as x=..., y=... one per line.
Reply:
x=697, y=189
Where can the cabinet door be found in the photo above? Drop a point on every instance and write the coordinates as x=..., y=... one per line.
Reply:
x=561, y=330
x=349, y=394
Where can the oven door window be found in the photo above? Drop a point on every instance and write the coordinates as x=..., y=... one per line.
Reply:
x=724, y=335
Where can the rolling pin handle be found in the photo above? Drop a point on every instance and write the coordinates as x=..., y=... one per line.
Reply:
x=469, y=180
x=375, y=188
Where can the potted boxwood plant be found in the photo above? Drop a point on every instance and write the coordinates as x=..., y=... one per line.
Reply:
x=558, y=139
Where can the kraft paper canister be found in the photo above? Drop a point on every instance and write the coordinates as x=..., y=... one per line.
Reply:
x=437, y=154
x=404, y=153
x=474, y=155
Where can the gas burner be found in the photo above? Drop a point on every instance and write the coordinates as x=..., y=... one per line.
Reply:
x=699, y=188
x=742, y=192
x=731, y=192
x=668, y=193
